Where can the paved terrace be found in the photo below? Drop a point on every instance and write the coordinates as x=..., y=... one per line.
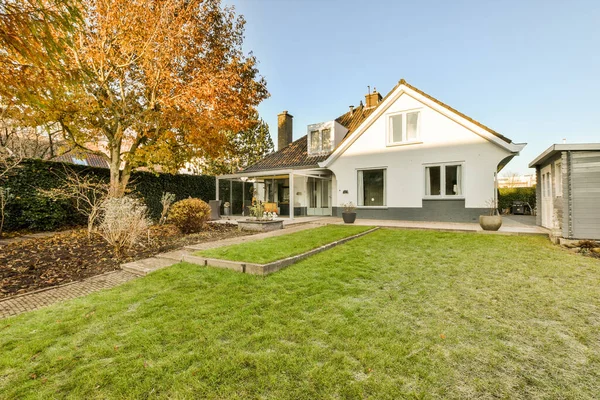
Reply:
x=511, y=224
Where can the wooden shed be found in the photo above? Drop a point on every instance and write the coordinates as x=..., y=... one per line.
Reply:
x=568, y=190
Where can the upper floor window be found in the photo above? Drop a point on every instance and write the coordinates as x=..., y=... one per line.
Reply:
x=320, y=141
x=404, y=127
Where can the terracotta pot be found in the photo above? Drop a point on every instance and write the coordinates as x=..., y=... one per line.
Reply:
x=349, y=218
x=490, y=222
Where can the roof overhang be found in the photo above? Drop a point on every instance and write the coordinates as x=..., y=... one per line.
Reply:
x=557, y=148
x=398, y=91
x=274, y=173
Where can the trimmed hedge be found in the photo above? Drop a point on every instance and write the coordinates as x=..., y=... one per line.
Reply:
x=506, y=196
x=33, y=211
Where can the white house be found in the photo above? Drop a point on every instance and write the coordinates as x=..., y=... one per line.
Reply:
x=407, y=156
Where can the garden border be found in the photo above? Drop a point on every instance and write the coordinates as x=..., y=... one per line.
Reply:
x=269, y=268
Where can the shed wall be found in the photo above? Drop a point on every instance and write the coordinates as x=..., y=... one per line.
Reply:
x=585, y=194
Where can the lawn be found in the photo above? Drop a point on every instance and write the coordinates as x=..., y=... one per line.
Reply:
x=393, y=314
x=279, y=247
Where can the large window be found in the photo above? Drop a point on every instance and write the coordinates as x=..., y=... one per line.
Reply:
x=404, y=127
x=444, y=180
x=371, y=187
x=320, y=142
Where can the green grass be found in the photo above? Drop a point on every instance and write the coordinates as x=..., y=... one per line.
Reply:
x=279, y=247
x=394, y=314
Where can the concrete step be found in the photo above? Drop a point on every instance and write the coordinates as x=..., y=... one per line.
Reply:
x=176, y=255
x=147, y=265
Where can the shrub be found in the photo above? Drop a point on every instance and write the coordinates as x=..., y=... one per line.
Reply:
x=166, y=201
x=506, y=196
x=124, y=222
x=189, y=215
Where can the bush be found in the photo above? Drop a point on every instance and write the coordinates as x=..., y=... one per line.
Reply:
x=506, y=196
x=124, y=221
x=189, y=215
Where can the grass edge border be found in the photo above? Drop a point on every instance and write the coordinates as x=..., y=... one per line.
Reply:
x=271, y=267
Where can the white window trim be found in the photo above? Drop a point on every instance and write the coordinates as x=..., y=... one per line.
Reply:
x=557, y=174
x=384, y=206
x=320, y=133
x=390, y=132
x=443, y=179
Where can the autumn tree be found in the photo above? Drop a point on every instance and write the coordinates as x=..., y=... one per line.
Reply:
x=241, y=150
x=139, y=82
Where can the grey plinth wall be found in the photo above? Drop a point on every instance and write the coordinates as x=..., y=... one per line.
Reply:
x=432, y=210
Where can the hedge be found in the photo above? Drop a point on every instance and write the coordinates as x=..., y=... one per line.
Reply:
x=32, y=211
x=506, y=196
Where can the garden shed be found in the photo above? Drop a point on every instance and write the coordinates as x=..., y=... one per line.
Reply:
x=568, y=190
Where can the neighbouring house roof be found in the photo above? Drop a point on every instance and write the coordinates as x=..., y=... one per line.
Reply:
x=557, y=148
x=295, y=155
x=88, y=159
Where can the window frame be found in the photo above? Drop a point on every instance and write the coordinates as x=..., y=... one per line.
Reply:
x=358, y=194
x=390, y=128
x=443, y=166
x=558, y=191
x=320, y=149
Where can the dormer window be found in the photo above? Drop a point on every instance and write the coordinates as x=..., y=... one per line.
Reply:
x=404, y=127
x=320, y=141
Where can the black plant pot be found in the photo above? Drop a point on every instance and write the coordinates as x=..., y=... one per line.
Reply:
x=349, y=218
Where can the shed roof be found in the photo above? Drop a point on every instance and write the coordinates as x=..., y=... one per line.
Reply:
x=557, y=148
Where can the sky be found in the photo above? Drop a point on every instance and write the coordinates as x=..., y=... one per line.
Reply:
x=529, y=70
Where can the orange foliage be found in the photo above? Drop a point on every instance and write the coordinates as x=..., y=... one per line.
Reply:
x=153, y=82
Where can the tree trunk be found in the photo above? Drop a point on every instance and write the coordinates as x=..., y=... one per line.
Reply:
x=117, y=188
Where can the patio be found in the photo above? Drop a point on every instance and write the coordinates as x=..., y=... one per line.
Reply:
x=511, y=224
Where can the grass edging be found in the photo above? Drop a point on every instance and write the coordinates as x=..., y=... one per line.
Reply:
x=268, y=268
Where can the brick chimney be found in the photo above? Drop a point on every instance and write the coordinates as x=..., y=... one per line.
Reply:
x=373, y=99
x=284, y=129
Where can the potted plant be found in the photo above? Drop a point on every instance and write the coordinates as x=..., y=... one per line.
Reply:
x=492, y=221
x=226, y=208
x=349, y=213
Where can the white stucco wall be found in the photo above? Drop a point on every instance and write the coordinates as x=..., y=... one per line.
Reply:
x=299, y=187
x=443, y=141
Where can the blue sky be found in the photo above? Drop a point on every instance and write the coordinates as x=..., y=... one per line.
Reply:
x=527, y=69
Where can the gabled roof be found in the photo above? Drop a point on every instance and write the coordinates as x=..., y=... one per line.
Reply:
x=455, y=111
x=404, y=87
x=295, y=155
